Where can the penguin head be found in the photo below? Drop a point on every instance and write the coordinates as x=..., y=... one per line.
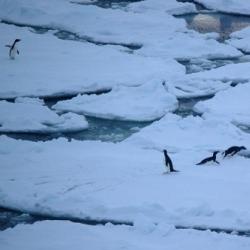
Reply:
x=17, y=40
x=216, y=152
x=165, y=151
x=242, y=147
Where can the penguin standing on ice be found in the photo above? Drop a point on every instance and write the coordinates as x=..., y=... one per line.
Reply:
x=233, y=150
x=13, y=49
x=168, y=162
x=208, y=159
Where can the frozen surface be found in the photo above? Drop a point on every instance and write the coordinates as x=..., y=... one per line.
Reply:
x=241, y=40
x=124, y=182
x=144, y=103
x=144, y=235
x=228, y=6
x=48, y=66
x=232, y=104
x=171, y=7
x=159, y=34
x=29, y=115
x=232, y=72
x=193, y=85
x=190, y=133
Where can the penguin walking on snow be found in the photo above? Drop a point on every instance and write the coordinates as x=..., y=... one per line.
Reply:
x=208, y=159
x=233, y=150
x=13, y=49
x=168, y=162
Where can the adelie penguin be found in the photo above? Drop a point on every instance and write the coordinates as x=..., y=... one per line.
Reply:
x=168, y=162
x=208, y=159
x=13, y=49
x=233, y=150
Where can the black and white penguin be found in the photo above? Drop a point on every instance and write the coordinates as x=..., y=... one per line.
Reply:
x=208, y=159
x=233, y=150
x=13, y=49
x=168, y=162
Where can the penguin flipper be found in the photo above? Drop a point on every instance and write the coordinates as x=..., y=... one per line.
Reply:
x=17, y=52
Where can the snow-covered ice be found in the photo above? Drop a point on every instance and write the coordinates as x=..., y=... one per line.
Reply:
x=144, y=103
x=228, y=6
x=232, y=72
x=171, y=7
x=123, y=181
x=160, y=34
x=59, y=235
x=232, y=104
x=241, y=40
x=188, y=133
x=192, y=85
x=30, y=115
x=49, y=66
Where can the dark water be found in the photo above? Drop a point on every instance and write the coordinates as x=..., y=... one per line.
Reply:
x=186, y=105
x=66, y=35
x=10, y=218
x=99, y=129
x=104, y=129
x=108, y=3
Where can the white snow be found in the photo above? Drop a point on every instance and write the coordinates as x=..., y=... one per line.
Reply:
x=227, y=6
x=48, y=66
x=190, y=133
x=241, y=40
x=144, y=103
x=192, y=85
x=232, y=104
x=171, y=7
x=159, y=33
x=59, y=235
x=124, y=182
x=232, y=72
x=29, y=115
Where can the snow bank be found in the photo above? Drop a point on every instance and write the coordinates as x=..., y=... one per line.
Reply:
x=59, y=235
x=159, y=33
x=125, y=182
x=241, y=40
x=188, y=133
x=48, y=66
x=190, y=86
x=232, y=104
x=228, y=6
x=29, y=115
x=232, y=72
x=171, y=7
x=144, y=103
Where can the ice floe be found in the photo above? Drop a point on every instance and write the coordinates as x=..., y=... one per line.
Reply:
x=231, y=104
x=191, y=85
x=159, y=33
x=62, y=235
x=122, y=181
x=189, y=133
x=237, y=72
x=171, y=7
x=241, y=40
x=29, y=115
x=144, y=103
x=48, y=66
x=232, y=6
